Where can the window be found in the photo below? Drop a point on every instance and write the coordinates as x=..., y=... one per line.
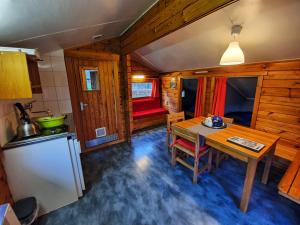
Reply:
x=141, y=89
x=90, y=79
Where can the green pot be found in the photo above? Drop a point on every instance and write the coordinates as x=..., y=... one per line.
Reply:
x=50, y=122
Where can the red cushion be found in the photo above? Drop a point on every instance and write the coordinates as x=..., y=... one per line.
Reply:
x=189, y=145
x=145, y=104
x=149, y=113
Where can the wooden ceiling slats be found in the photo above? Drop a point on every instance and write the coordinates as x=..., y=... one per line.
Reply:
x=165, y=17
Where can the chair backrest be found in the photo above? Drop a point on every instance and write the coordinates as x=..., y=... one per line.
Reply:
x=225, y=119
x=174, y=118
x=182, y=133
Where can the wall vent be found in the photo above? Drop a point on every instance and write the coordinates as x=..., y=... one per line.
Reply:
x=100, y=132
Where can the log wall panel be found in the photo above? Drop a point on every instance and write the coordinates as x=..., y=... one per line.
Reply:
x=138, y=68
x=287, y=110
x=129, y=90
x=281, y=84
x=278, y=110
x=295, y=102
x=279, y=92
x=109, y=45
x=5, y=195
x=170, y=95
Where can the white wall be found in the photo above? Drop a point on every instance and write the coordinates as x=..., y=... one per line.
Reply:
x=55, y=97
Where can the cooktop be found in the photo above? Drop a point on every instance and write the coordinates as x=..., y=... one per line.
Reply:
x=46, y=134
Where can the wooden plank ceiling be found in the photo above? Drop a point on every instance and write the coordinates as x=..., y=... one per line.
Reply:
x=165, y=17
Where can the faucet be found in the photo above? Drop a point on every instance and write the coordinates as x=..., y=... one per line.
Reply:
x=44, y=111
x=29, y=106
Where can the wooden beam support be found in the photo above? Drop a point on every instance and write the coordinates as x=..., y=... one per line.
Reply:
x=165, y=17
x=125, y=71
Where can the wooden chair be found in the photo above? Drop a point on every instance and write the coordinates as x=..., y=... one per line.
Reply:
x=189, y=143
x=171, y=119
x=219, y=155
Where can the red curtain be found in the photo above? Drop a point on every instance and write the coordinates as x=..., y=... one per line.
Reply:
x=198, y=104
x=218, y=106
x=155, y=88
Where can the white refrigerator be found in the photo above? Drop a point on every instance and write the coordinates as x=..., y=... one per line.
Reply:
x=50, y=171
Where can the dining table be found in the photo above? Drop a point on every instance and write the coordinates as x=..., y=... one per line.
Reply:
x=218, y=140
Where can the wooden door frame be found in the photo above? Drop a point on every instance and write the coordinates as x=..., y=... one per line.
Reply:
x=260, y=78
x=180, y=82
x=256, y=100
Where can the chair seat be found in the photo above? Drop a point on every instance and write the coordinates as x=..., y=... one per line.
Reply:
x=189, y=145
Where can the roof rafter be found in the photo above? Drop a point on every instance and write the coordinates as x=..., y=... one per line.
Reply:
x=165, y=17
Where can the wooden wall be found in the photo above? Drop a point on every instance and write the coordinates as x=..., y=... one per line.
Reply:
x=138, y=68
x=170, y=96
x=278, y=101
x=129, y=93
x=109, y=45
x=5, y=195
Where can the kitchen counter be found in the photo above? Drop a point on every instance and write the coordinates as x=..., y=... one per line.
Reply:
x=37, y=139
x=69, y=133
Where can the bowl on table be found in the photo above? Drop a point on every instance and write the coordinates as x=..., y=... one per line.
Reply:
x=215, y=122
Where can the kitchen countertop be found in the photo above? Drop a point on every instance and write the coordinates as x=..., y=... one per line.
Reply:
x=37, y=139
x=70, y=133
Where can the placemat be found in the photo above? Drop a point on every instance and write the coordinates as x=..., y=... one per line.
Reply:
x=203, y=130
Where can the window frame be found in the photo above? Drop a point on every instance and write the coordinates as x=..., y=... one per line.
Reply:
x=142, y=81
x=83, y=78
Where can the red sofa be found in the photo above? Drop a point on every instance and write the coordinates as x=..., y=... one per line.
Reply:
x=147, y=107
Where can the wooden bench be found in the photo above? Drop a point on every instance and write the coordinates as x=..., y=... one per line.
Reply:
x=149, y=122
x=147, y=112
x=286, y=149
x=289, y=185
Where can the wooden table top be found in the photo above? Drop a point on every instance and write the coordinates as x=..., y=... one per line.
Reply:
x=189, y=123
x=221, y=136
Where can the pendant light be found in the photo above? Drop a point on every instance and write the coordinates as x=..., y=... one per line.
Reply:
x=233, y=54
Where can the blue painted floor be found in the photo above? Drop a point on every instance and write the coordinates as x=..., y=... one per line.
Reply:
x=135, y=184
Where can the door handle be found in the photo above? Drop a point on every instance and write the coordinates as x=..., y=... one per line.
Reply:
x=83, y=106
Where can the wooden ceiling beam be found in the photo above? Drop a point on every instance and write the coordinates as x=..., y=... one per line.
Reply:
x=165, y=17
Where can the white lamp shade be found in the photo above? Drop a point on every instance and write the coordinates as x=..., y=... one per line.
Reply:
x=233, y=55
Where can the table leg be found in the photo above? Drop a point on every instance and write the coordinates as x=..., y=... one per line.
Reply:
x=268, y=164
x=248, y=183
